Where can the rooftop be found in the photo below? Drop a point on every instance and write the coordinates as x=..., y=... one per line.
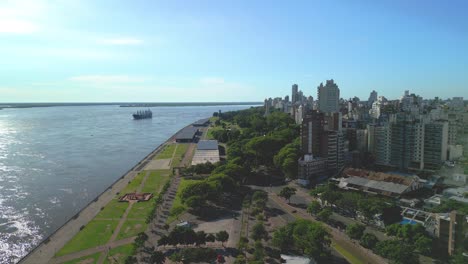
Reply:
x=207, y=145
x=380, y=176
x=374, y=184
x=201, y=122
x=187, y=133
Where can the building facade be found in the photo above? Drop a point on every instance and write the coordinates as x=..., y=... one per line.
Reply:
x=328, y=97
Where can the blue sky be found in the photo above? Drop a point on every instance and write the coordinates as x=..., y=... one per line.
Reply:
x=169, y=51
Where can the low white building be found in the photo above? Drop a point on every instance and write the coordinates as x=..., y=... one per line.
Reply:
x=207, y=151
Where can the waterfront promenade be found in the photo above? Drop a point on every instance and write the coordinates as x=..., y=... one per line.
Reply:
x=46, y=250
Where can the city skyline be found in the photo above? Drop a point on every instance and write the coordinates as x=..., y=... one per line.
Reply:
x=145, y=51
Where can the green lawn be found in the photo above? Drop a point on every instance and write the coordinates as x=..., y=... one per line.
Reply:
x=181, y=149
x=141, y=210
x=119, y=254
x=347, y=255
x=114, y=209
x=134, y=184
x=167, y=152
x=131, y=228
x=177, y=207
x=91, y=259
x=155, y=181
x=179, y=154
x=94, y=234
x=153, y=184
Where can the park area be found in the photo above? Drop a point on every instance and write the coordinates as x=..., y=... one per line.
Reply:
x=123, y=220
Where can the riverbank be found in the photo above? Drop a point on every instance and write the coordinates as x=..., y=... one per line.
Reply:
x=49, y=247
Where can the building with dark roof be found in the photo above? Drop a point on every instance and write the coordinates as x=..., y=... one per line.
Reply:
x=187, y=134
x=201, y=122
x=207, y=145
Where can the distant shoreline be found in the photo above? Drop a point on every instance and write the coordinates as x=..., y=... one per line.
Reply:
x=125, y=104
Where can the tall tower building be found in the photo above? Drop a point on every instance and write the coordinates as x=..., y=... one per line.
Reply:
x=403, y=141
x=372, y=97
x=311, y=131
x=294, y=94
x=328, y=97
x=435, y=144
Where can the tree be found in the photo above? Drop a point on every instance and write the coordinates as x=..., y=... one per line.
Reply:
x=210, y=238
x=283, y=238
x=397, y=250
x=131, y=260
x=311, y=239
x=423, y=245
x=222, y=236
x=368, y=240
x=259, y=199
x=287, y=192
x=240, y=259
x=324, y=214
x=355, y=231
x=458, y=258
x=259, y=232
x=200, y=238
x=157, y=257
x=314, y=207
x=140, y=239
x=259, y=251
x=196, y=203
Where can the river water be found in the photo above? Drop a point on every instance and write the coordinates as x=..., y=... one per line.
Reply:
x=54, y=160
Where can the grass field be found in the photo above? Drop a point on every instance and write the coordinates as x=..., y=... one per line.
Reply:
x=134, y=184
x=114, y=209
x=155, y=181
x=91, y=259
x=119, y=254
x=141, y=210
x=131, y=228
x=179, y=154
x=177, y=207
x=167, y=152
x=94, y=234
x=347, y=255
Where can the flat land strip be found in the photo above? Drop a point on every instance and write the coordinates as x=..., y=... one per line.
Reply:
x=108, y=235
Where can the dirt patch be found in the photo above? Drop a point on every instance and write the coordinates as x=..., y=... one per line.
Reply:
x=86, y=261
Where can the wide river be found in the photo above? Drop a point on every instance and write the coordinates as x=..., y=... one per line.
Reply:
x=54, y=160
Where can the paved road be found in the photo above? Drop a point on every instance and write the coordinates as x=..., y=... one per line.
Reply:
x=337, y=237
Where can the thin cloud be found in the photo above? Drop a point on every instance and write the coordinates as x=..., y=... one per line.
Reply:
x=16, y=26
x=121, y=41
x=21, y=16
x=108, y=79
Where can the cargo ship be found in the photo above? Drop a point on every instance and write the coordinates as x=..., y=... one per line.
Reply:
x=143, y=114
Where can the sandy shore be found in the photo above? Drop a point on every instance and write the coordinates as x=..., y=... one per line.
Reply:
x=46, y=250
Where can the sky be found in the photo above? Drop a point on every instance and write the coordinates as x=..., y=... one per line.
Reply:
x=204, y=51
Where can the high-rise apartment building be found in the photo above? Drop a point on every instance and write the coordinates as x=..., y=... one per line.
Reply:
x=402, y=142
x=382, y=144
x=435, y=144
x=294, y=93
x=372, y=97
x=322, y=142
x=312, y=126
x=328, y=97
